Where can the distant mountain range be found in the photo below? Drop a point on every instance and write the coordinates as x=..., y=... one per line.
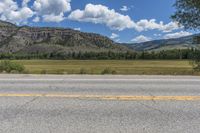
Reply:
x=42, y=40
x=166, y=44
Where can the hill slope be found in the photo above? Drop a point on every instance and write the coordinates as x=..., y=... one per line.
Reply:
x=45, y=40
x=166, y=44
x=30, y=40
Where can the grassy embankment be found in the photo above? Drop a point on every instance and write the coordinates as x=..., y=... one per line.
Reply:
x=158, y=67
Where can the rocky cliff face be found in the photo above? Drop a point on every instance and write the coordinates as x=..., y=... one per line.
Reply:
x=26, y=39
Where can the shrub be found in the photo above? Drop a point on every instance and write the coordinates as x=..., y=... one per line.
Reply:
x=196, y=66
x=108, y=71
x=43, y=72
x=83, y=71
x=9, y=67
x=60, y=71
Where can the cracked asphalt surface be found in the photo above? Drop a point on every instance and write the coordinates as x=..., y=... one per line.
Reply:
x=74, y=115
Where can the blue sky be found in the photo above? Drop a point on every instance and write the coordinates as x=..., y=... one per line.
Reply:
x=122, y=20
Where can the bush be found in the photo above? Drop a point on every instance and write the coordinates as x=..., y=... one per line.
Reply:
x=60, y=72
x=43, y=72
x=9, y=67
x=196, y=65
x=108, y=71
x=83, y=71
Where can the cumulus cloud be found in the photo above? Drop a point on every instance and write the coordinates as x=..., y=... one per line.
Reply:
x=10, y=11
x=124, y=8
x=36, y=19
x=25, y=2
x=114, y=36
x=141, y=38
x=151, y=24
x=177, y=35
x=53, y=18
x=54, y=9
x=19, y=15
x=7, y=5
x=157, y=35
x=77, y=28
x=46, y=10
x=100, y=14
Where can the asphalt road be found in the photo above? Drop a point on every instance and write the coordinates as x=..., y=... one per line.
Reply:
x=99, y=104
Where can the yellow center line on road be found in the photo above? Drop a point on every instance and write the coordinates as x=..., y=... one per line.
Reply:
x=108, y=97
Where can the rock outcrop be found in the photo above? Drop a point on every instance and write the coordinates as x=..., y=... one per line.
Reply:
x=14, y=39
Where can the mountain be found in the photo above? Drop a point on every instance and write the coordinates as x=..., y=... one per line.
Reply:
x=46, y=40
x=166, y=44
x=30, y=40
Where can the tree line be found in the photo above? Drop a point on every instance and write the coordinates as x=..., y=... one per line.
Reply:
x=146, y=55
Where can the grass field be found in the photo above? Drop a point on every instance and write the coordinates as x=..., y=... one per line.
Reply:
x=158, y=67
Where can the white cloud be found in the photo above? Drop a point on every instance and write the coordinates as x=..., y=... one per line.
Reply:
x=20, y=15
x=53, y=18
x=151, y=24
x=7, y=5
x=124, y=8
x=114, y=36
x=54, y=9
x=100, y=14
x=36, y=19
x=77, y=29
x=25, y=2
x=10, y=11
x=177, y=35
x=48, y=10
x=157, y=35
x=141, y=38
x=118, y=40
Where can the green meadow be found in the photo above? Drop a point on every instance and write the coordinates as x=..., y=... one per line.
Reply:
x=141, y=67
